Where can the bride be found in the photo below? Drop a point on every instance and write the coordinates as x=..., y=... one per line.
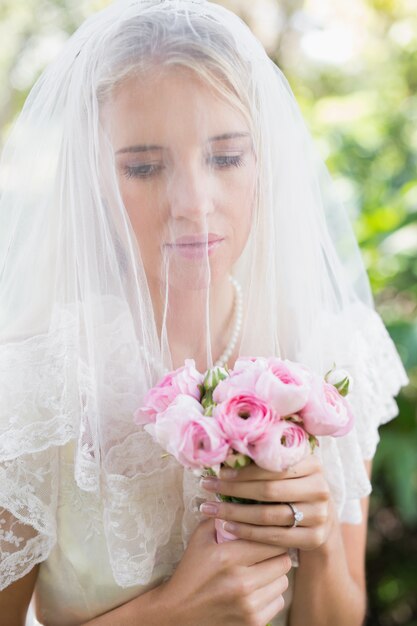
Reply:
x=162, y=200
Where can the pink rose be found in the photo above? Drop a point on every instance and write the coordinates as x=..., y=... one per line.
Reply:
x=196, y=441
x=326, y=411
x=184, y=380
x=244, y=363
x=244, y=419
x=203, y=444
x=242, y=379
x=341, y=379
x=283, y=445
x=284, y=385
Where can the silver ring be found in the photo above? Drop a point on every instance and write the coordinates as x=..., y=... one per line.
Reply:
x=298, y=515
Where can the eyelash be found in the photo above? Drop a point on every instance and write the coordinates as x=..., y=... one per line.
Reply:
x=142, y=171
x=228, y=160
x=149, y=170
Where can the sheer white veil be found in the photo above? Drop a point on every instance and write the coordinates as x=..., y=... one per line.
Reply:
x=82, y=338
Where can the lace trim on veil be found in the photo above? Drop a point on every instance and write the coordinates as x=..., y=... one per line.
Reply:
x=378, y=374
x=37, y=414
x=146, y=497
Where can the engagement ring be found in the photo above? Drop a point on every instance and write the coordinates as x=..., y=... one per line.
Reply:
x=298, y=515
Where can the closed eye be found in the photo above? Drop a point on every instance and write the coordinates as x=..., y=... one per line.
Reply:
x=148, y=170
x=223, y=161
x=144, y=170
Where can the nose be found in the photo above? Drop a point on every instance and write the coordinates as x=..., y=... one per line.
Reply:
x=190, y=193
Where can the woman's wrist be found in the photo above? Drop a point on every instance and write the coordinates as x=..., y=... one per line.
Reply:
x=333, y=596
x=151, y=608
x=154, y=608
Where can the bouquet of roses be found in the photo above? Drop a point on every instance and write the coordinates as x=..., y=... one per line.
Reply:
x=266, y=411
x=263, y=411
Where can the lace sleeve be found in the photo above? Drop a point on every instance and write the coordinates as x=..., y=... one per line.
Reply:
x=379, y=376
x=370, y=356
x=27, y=513
x=33, y=422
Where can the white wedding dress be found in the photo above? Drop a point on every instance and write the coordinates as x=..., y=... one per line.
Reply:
x=76, y=582
x=110, y=545
x=103, y=538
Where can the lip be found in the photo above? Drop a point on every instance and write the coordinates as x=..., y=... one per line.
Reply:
x=195, y=246
x=196, y=239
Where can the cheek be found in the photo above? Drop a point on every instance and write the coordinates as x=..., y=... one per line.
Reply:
x=242, y=203
x=145, y=216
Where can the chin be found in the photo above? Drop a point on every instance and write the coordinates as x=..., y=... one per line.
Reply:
x=193, y=275
x=197, y=277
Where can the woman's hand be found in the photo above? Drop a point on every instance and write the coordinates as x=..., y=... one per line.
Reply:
x=238, y=583
x=304, y=485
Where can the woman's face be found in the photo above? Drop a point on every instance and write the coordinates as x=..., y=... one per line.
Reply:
x=186, y=171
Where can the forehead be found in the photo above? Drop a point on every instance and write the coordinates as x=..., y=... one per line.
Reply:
x=172, y=105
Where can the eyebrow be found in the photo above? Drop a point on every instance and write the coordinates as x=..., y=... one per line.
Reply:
x=151, y=147
x=228, y=136
x=144, y=148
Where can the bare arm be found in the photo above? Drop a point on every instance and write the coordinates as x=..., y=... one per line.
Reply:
x=147, y=608
x=15, y=599
x=330, y=581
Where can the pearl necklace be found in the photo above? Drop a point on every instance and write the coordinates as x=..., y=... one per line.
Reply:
x=225, y=356
x=228, y=351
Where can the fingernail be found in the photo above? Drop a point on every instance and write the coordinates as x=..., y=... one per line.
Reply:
x=228, y=473
x=209, y=508
x=229, y=526
x=211, y=484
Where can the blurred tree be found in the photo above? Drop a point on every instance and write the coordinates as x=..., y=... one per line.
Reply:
x=362, y=110
x=32, y=32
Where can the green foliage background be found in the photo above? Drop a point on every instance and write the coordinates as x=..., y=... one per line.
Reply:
x=363, y=114
x=367, y=116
